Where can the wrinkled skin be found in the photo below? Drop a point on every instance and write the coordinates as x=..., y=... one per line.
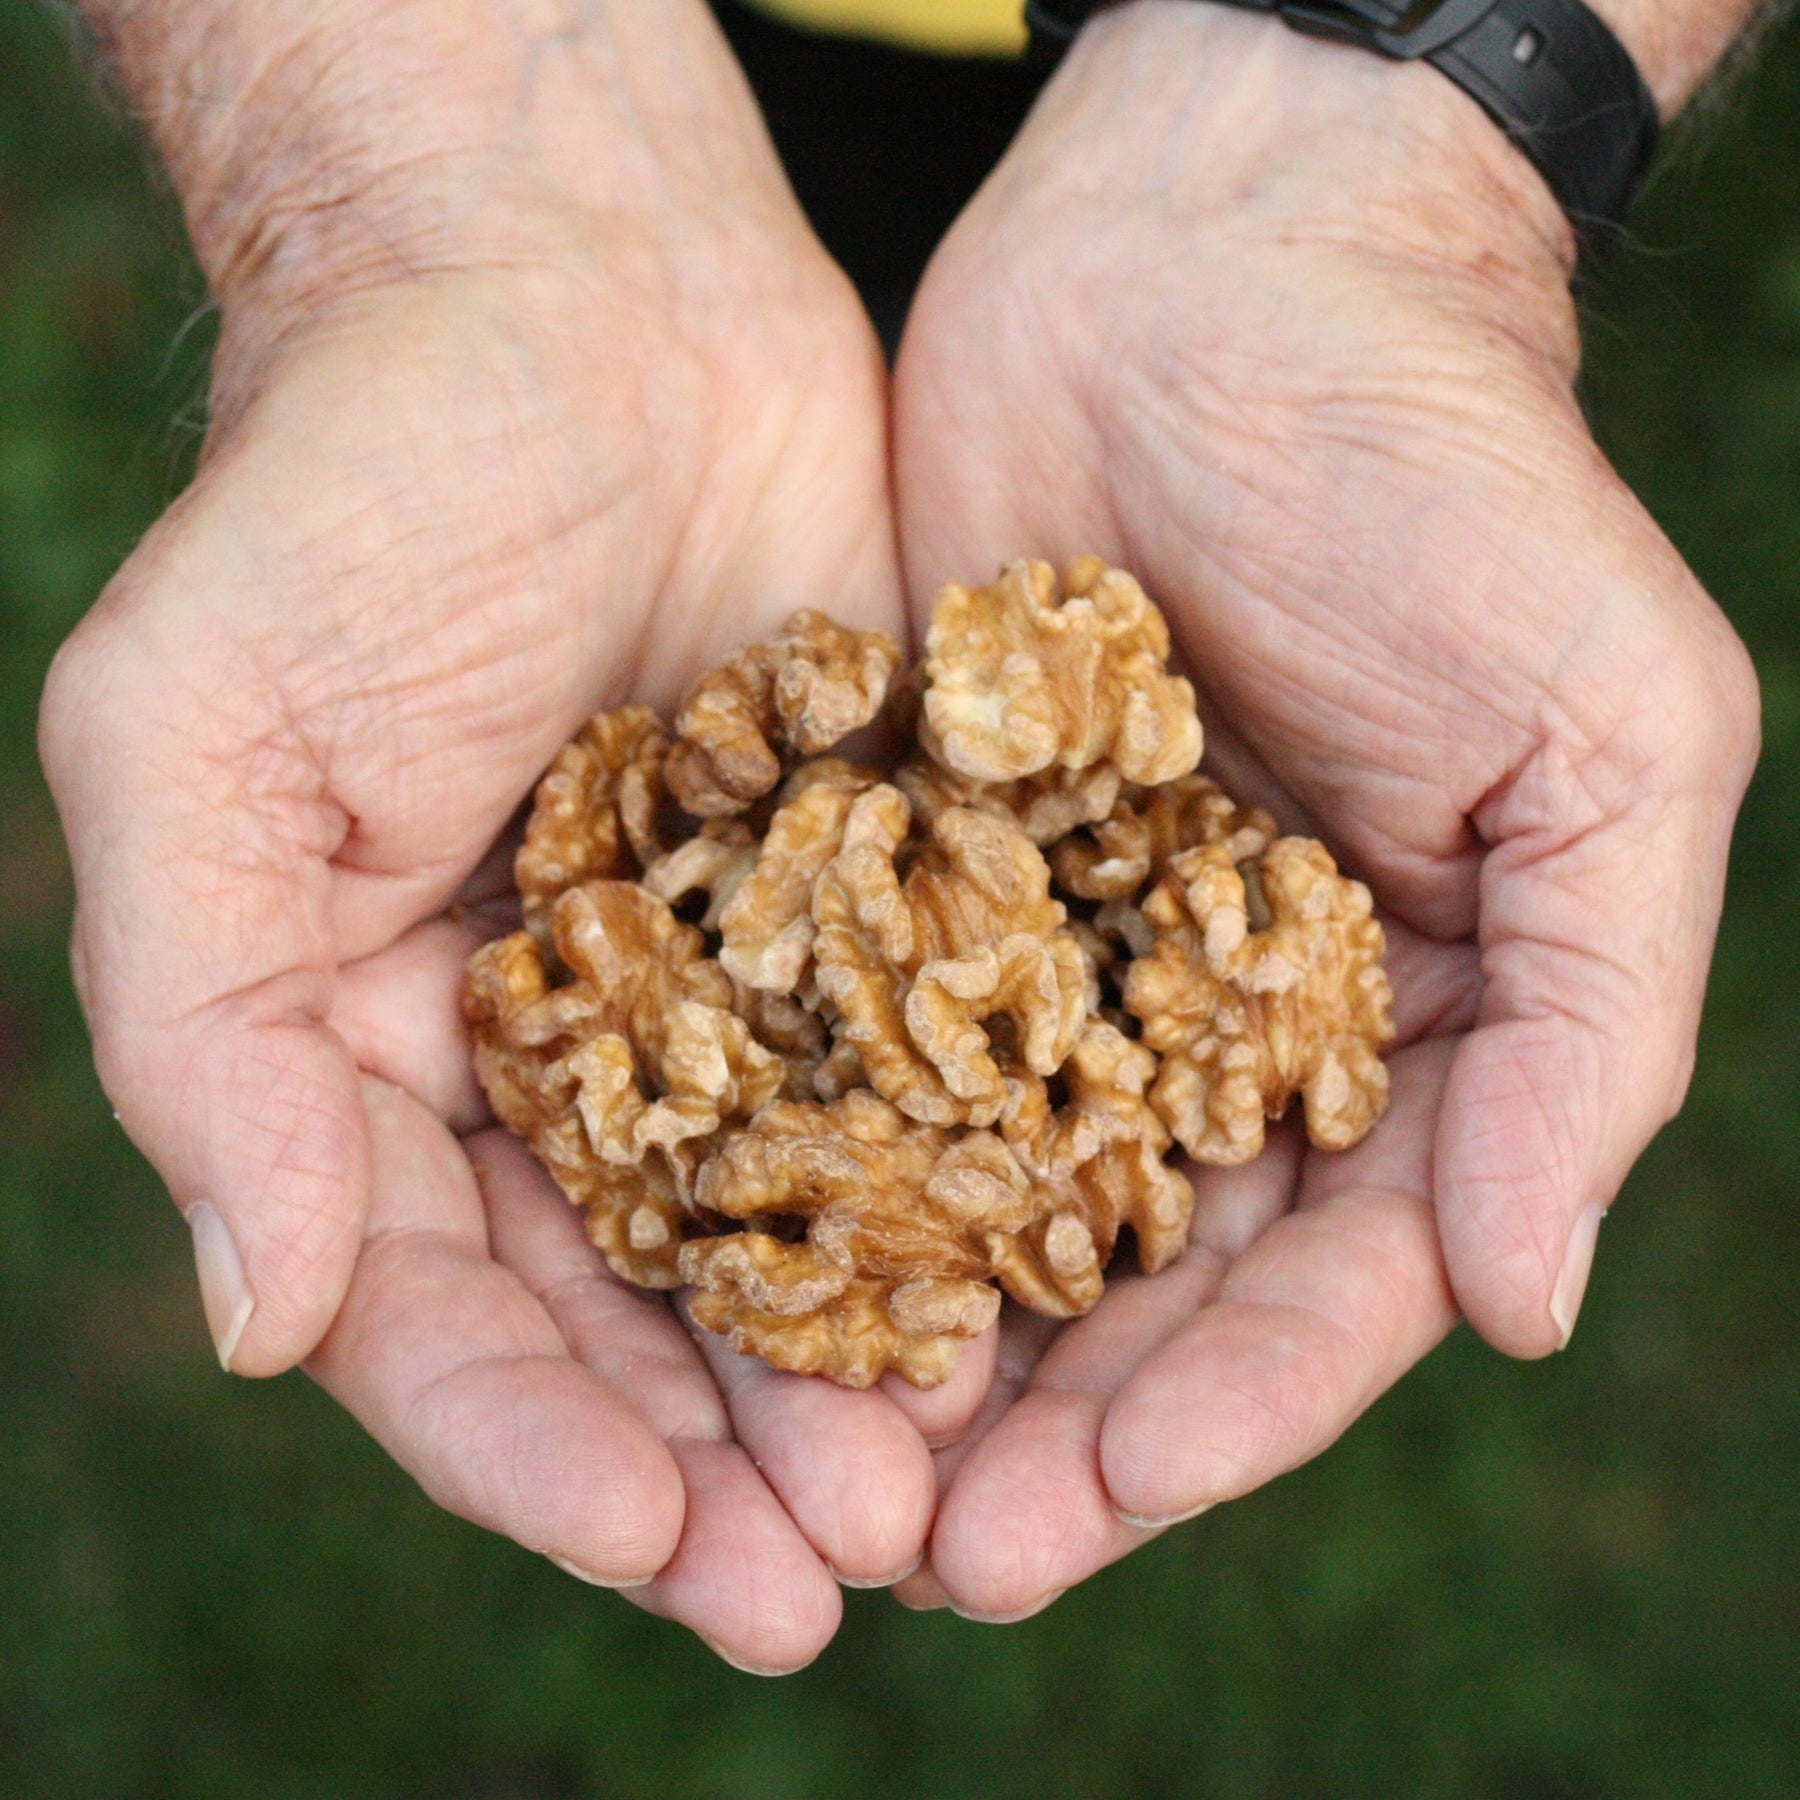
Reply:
x=494, y=450
x=442, y=517
x=1311, y=381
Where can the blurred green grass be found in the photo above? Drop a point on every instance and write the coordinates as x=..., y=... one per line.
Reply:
x=1575, y=1579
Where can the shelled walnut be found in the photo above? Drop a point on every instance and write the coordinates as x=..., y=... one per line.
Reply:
x=855, y=1051
x=934, y=973
x=794, y=696
x=594, y=817
x=1248, y=1013
x=1018, y=681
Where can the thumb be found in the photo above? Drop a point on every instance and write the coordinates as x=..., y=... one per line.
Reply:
x=201, y=834
x=1599, y=900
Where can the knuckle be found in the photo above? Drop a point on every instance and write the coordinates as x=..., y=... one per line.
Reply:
x=70, y=698
x=95, y=687
x=1701, y=712
x=1737, y=705
x=1712, y=698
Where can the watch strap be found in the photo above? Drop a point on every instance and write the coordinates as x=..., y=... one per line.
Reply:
x=1549, y=72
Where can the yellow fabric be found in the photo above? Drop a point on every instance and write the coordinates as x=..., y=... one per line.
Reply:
x=955, y=27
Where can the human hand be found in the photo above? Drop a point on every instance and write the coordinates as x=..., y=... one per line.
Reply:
x=1284, y=330
x=534, y=395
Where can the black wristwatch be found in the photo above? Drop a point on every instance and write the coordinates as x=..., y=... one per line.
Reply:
x=1549, y=73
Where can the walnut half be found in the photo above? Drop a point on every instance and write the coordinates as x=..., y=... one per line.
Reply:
x=1248, y=1014
x=796, y=695
x=924, y=969
x=594, y=814
x=1021, y=679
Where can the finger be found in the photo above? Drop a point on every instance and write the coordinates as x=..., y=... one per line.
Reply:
x=921, y=1591
x=1234, y=1207
x=742, y=1576
x=200, y=839
x=1437, y=986
x=1324, y=1312
x=628, y=1336
x=460, y=1374
x=941, y=1415
x=1020, y=1340
x=399, y=1011
x=490, y=883
x=850, y=1468
x=1599, y=902
x=1029, y=1514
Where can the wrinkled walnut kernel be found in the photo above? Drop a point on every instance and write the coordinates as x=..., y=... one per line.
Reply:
x=1132, y=844
x=715, y=862
x=1046, y=806
x=936, y=1027
x=856, y=1337
x=768, y=927
x=916, y=967
x=1246, y=1018
x=1019, y=682
x=623, y=1066
x=594, y=814
x=895, y=1211
x=796, y=695
x=1097, y=1162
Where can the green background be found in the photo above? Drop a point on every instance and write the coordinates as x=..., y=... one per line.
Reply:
x=1575, y=1578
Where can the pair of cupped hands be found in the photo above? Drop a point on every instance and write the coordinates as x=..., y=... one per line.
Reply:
x=513, y=429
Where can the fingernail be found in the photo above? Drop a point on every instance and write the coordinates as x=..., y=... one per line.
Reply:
x=921, y=1592
x=1009, y=1618
x=593, y=1580
x=1571, y=1284
x=1146, y=1522
x=743, y=1668
x=875, y=1581
x=921, y=1606
x=224, y=1289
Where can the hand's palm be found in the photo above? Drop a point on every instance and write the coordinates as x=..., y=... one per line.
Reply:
x=450, y=520
x=1428, y=624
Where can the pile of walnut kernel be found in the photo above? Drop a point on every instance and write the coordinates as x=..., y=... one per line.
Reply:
x=934, y=1030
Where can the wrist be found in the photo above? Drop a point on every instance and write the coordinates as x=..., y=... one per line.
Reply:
x=321, y=145
x=1258, y=128
x=1408, y=138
